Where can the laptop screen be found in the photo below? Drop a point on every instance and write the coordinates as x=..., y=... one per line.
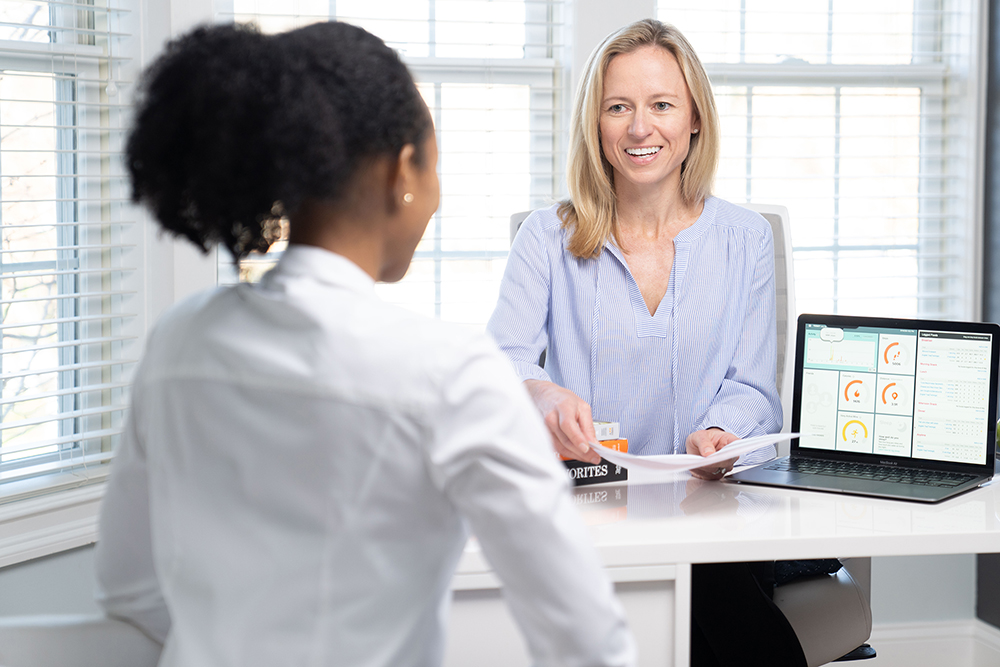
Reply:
x=911, y=390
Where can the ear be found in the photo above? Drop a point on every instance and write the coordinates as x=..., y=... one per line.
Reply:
x=403, y=176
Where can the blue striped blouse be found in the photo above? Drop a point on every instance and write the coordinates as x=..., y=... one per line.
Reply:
x=705, y=358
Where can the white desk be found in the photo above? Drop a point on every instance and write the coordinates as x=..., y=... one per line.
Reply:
x=648, y=535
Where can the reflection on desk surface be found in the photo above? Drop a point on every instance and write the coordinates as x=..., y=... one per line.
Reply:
x=689, y=516
x=604, y=504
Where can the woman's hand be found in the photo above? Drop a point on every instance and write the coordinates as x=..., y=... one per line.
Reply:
x=568, y=418
x=706, y=443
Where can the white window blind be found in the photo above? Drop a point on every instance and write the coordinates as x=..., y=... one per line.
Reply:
x=65, y=250
x=860, y=116
x=490, y=71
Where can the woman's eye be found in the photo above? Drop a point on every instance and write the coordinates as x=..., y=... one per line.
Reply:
x=617, y=108
x=662, y=106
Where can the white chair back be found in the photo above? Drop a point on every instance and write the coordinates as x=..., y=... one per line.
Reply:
x=515, y=223
x=784, y=292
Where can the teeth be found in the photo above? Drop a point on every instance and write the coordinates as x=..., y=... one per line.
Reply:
x=639, y=152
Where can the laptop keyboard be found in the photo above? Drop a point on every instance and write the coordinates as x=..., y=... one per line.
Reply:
x=869, y=471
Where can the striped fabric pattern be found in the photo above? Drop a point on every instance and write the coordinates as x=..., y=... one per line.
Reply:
x=705, y=358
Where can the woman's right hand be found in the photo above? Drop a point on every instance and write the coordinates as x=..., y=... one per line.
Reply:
x=568, y=418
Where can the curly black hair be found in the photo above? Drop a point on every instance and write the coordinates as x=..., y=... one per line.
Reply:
x=235, y=128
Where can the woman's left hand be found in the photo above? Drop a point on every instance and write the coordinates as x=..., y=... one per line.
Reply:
x=706, y=443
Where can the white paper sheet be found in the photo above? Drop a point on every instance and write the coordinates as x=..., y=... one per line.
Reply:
x=671, y=463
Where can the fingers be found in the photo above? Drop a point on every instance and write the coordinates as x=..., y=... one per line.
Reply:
x=706, y=443
x=569, y=421
x=709, y=441
x=701, y=443
x=707, y=474
x=706, y=448
x=567, y=443
x=714, y=472
x=573, y=439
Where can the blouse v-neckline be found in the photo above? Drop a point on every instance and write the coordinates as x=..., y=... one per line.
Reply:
x=658, y=323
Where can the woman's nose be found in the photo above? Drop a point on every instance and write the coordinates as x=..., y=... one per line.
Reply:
x=639, y=127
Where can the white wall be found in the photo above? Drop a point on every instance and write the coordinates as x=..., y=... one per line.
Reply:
x=62, y=583
x=592, y=21
x=923, y=588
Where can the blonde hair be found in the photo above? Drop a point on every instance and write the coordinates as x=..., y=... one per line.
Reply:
x=590, y=212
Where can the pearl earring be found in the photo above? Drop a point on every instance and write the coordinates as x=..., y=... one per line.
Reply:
x=408, y=198
x=694, y=131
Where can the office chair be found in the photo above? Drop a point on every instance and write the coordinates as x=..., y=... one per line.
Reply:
x=83, y=640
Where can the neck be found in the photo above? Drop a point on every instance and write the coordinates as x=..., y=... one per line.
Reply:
x=332, y=228
x=654, y=211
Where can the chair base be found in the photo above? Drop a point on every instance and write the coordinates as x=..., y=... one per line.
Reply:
x=863, y=652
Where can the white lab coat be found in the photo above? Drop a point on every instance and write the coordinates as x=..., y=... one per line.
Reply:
x=299, y=467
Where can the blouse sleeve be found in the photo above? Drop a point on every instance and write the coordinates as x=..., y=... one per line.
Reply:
x=519, y=323
x=747, y=403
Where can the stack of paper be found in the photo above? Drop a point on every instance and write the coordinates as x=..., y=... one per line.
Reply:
x=673, y=463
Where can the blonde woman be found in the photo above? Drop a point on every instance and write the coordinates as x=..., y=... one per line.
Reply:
x=654, y=303
x=653, y=300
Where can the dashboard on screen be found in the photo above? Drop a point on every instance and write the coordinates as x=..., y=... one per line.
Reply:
x=916, y=393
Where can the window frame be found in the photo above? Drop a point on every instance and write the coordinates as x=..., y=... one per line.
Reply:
x=966, y=68
x=101, y=298
x=543, y=69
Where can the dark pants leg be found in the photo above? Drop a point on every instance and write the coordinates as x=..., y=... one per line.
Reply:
x=734, y=623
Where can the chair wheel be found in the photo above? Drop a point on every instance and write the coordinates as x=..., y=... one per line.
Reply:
x=863, y=652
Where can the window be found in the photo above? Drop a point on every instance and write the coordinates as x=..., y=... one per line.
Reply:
x=66, y=328
x=490, y=73
x=861, y=117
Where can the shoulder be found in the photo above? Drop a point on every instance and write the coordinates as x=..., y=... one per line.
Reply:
x=726, y=223
x=419, y=341
x=178, y=331
x=182, y=317
x=734, y=216
x=432, y=368
x=540, y=241
x=543, y=222
x=344, y=345
x=418, y=356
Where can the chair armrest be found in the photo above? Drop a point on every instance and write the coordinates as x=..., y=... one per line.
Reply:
x=831, y=614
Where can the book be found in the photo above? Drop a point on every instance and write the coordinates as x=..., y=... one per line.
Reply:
x=583, y=473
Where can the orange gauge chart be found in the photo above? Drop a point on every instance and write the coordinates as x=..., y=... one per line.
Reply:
x=856, y=393
x=891, y=355
x=893, y=395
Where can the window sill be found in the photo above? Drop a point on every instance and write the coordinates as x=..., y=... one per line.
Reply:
x=47, y=524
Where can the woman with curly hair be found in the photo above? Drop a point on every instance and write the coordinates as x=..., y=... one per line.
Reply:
x=301, y=461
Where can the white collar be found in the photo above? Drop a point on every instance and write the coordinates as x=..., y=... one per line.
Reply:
x=322, y=265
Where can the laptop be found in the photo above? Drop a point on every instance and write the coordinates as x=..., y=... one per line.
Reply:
x=892, y=408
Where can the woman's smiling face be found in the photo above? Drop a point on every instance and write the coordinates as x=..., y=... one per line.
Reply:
x=647, y=118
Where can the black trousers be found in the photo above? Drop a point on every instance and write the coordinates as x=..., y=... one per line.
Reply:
x=735, y=623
